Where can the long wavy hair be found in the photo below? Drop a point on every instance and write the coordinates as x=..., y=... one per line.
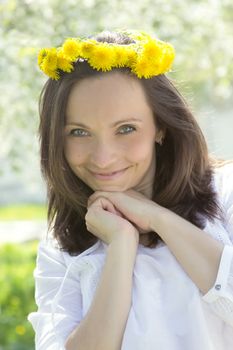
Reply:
x=184, y=170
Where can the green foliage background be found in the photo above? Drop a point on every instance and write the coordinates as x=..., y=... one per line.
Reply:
x=23, y=212
x=17, y=295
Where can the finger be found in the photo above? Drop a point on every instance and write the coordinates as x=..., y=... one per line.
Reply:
x=106, y=204
x=103, y=203
x=93, y=198
x=96, y=195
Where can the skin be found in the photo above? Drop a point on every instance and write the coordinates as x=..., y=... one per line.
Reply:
x=102, y=148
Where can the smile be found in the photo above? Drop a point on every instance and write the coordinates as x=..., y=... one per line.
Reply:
x=109, y=176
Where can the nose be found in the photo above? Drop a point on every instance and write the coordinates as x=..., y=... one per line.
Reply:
x=103, y=155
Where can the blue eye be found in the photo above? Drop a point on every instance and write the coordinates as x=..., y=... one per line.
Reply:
x=125, y=127
x=77, y=132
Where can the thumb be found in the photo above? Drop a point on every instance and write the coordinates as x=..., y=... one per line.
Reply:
x=105, y=204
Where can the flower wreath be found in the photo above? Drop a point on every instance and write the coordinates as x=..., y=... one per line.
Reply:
x=146, y=57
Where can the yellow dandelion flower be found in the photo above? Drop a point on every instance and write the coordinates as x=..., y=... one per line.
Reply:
x=71, y=49
x=103, y=57
x=50, y=60
x=132, y=57
x=87, y=47
x=152, y=49
x=48, y=63
x=63, y=63
x=41, y=55
x=120, y=56
x=168, y=58
x=145, y=68
x=20, y=330
x=141, y=69
x=52, y=74
x=124, y=56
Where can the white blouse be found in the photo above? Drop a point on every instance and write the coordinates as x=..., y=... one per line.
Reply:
x=168, y=311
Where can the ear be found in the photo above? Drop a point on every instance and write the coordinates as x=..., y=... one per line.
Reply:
x=159, y=137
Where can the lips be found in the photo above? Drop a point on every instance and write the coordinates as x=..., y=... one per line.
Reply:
x=109, y=176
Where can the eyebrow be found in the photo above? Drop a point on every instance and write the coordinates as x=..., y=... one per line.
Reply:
x=112, y=125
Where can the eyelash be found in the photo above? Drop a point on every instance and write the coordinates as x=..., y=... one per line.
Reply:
x=72, y=132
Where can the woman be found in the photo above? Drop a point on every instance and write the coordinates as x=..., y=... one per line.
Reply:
x=141, y=254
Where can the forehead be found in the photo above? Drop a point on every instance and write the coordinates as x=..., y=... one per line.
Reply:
x=113, y=93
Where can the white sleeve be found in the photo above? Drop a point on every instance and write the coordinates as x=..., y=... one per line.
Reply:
x=57, y=315
x=220, y=296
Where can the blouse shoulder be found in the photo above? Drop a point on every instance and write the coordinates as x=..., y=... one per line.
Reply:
x=49, y=246
x=51, y=254
x=223, y=179
x=224, y=169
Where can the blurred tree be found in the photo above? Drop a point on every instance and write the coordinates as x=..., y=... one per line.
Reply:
x=200, y=30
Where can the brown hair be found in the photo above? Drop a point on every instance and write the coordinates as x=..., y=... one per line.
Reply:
x=183, y=179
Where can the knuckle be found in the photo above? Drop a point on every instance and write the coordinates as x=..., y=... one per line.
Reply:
x=87, y=216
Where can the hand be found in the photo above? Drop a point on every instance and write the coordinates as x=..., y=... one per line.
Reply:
x=107, y=223
x=132, y=205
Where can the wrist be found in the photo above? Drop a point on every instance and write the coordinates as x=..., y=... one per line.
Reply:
x=125, y=242
x=159, y=217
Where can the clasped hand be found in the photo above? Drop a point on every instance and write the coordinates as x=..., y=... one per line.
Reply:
x=118, y=212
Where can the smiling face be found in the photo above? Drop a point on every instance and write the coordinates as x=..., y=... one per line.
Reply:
x=110, y=134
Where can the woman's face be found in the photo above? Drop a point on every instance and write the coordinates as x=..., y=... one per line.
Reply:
x=110, y=134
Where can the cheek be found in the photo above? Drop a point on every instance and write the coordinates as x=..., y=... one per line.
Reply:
x=142, y=151
x=74, y=154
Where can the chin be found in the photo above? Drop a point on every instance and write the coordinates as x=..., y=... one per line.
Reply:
x=110, y=188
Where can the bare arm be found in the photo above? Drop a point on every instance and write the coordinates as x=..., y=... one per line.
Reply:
x=104, y=324
x=198, y=253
